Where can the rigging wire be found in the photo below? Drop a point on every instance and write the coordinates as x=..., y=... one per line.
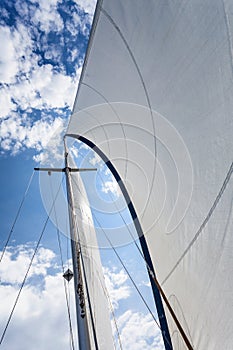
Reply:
x=17, y=215
x=143, y=257
x=127, y=227
x=29, y=267
x=113, y=314
x=63, y=269
x=172, y=313
x=122, y=263
x=114, y=317
x=140, y=252
x=127, y=271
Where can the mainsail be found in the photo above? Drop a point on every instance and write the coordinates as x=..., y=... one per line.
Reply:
x=156, y=98
x=90, y=285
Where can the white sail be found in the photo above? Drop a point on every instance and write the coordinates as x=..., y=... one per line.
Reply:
x=96, y=302
x=156, y=97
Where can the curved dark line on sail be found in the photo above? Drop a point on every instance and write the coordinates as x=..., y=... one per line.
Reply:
x=121, y=124
x=156, y=293
x=183, y=319
x=142, y=81
x=207, y=218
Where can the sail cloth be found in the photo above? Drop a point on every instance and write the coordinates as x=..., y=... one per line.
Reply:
x=156, y=97
x=96, y=302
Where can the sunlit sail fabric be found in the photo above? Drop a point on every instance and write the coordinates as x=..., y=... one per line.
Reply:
x=156, y=97
x=97, y=311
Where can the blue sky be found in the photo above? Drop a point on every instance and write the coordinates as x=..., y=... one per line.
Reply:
x=43, y=45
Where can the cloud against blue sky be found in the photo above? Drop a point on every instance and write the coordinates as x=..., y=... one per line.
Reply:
x=43, y=45
x=41, y=311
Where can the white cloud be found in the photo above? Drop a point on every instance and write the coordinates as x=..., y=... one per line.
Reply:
x=111, y=186
x=95, y=159
x=17, y=259
x=42, y=306
x=116, y=285
x=8, y=62
x=43, y=135
x=139, y=331
x=27, y=83
x=74, y=151
x=31, y=85
x=16, y=54
x=40, y=312
x=52, y=149
x=15, y=48
x=59, y=90
x=6, y=103
x=87, y=5
x=47, y=17
x=45, y=89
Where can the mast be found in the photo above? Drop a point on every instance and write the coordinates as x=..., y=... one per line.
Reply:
x=94, y=332
x=83, y=331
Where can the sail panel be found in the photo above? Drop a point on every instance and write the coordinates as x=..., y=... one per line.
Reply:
x=97, y=310
x=156, y=97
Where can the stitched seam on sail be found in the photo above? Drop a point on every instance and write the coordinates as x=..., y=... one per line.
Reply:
x=207, y=218
x=146, y=94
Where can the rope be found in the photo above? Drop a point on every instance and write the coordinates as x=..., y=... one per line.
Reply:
x=29, y=267
x=113, y=313
x=114, y=318
x=17, y=215
x=127, y=271
x=63, y=269
x=89, y=302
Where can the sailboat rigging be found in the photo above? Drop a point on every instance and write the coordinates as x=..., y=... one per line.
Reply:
x=155, y=103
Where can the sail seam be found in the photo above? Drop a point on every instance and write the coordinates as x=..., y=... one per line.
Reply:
x=207, y=218
x=144, y=87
